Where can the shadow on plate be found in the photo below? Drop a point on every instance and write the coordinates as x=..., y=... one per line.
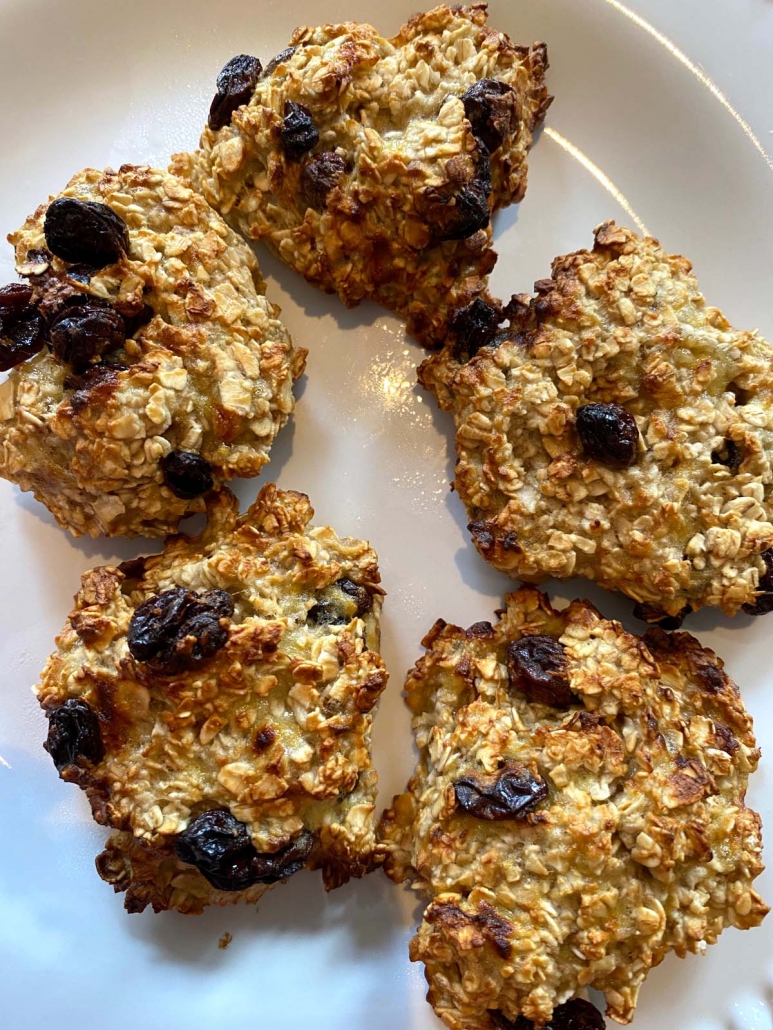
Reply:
x=368, y=910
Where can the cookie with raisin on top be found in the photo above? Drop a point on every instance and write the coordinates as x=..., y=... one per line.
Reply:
x=215, y=702
x=577, y=813
x=373, y=166
x=147, y=365
x=617, y=427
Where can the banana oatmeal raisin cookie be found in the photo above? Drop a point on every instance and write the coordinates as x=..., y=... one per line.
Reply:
x=147, y=365
x=577, y=811
x=620, y=429
x=215, y=703
x=372, y=165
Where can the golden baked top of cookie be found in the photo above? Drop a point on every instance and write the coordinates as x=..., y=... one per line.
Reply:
x=372, y=165
x=619, y=428
x=576, y=813
x=159, y=342
x=234, y=672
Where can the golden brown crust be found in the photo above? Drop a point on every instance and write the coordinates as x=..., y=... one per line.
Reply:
x=274, y=727
x=390, y=108
x=622, y=324
x=211, y=372
x=642, y=846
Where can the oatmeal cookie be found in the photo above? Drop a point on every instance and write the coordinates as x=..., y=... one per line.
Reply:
x=215, y=703
x=149, y=365
x=577, y=811
x=372, y=165
x=620, y=429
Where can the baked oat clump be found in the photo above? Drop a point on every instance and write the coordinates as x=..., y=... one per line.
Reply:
x=159, y=369
x=372, y=165
x=577, y=810
x=215, y=702
x=620, y=429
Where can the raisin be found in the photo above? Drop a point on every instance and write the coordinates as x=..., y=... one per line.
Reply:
x=763, y=603
x=536, y=665
x=321, y=174
x=264, y=738
x=271, y=867
x=235, y=84
x=512, y=795
x=22, y=335
x=358, y=593
x=608, y=434
x=179, y=629
x=84, y=232
x=81, y=273
x=456, y=214
x=474, y=327
x=576, y=1014
x=73, y=734
x=93, y=384
x=655, y=616
x=36, y=256
x=82, y=332
x=299, y=133
x=187, y=475
x=219, y=845
x=14, y=298
x=135, y=322
x=491, y=108
x=332, y=610
x=280, y=58
x=729, y=455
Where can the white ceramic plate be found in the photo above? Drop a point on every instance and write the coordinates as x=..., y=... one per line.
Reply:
x=99, y=82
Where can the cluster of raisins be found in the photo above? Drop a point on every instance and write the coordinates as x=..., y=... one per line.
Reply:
x=179, y=629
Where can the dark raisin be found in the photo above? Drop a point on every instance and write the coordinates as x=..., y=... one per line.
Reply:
x=479, y=631
x=608, y=434
x=73, y=734
x=235, y=84
x=135, y=322
x=37, y=256
x=655, y=616
x=763, y=603
x=327, y=613
x=82, y=332
x=84, y=232
x=14, y=298
x=491, y=108
x=280, y=58
x=271, y=867
x=264, y=738
x=456, y=214
x=179, y=629
x=576, y=1014
x=729, y=454
x=21, y=337
x=81, y=273
x=219, y=845
x=299, y=133
x=332, y=609
x=474, y=327
x=321, y=174
x=361, y=596
x=512, y=795
x=536, y=665
x=93, y=384
x=187, y=475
